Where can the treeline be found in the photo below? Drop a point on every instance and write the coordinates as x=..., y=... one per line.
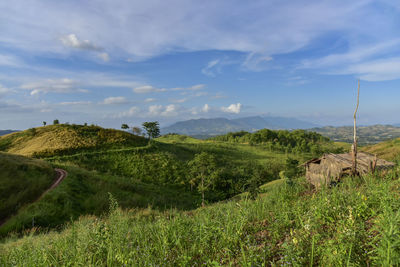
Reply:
x=297, y=141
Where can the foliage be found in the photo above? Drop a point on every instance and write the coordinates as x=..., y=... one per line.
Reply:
x=124, y=126
x=297, y=141
x=291, y=170
x=84, y=192
x=355, y=224
x=56, y=121
x=136, y=130
x=202, y=169
x=22, y=180
x=152, y=129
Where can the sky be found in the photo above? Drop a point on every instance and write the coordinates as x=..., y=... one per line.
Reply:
x=125, y=61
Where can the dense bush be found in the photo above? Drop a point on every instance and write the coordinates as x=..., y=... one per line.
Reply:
x=297, y=141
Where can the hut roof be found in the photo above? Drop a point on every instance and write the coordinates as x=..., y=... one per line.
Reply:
x=363, y=160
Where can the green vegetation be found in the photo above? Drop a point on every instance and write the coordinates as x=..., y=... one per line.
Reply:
x=127, y=201
x=66, y=139
x=389, y=150
x=356, y=223
x=22, y=180
x=297, y=141
x=152, y=129
x=85, y=192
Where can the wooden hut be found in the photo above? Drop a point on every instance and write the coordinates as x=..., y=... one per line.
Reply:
x=332, y=167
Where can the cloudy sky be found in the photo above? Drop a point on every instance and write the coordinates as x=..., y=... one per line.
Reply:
x=116, y=61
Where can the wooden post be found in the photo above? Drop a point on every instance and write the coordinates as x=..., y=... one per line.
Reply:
x=354, y=146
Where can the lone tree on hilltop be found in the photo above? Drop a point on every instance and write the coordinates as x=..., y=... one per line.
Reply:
x=152, y=129
x=202, y=170
x=124, y=126
x=56, y=121
x=44, y=123
x=136, y=130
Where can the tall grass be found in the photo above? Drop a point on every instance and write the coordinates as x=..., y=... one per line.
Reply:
x=355, y=223
x=22, y=180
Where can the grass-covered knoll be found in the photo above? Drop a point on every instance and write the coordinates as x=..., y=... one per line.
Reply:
x=86, y=192
x=389, y=150
x=22, y=180
x=355, y=223
x=64, y=139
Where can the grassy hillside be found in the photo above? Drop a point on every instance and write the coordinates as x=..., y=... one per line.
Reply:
x=22, y=180
x=86, y=192
x=65, y=139
x=389, y=150
x=356, y=223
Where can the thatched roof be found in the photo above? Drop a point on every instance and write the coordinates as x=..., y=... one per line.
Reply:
x=363, y=161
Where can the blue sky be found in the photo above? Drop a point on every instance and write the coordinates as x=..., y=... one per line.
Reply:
x=113, y=62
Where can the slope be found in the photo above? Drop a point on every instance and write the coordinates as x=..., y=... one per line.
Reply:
x=22, y=180
x=86, y=192
x=355, y=224
x=64, y=139
x=389, y=150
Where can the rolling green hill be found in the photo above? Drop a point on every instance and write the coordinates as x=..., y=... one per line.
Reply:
x=65, y=139
x=389, y=150
x=354, y=224
x=22, y=180
x=86, y=192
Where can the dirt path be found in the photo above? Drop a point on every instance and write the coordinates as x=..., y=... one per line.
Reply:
x=61, y=174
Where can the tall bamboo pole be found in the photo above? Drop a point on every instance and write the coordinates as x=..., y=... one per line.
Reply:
x=354, y=146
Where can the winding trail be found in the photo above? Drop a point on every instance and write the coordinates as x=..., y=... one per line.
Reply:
x=61, y=174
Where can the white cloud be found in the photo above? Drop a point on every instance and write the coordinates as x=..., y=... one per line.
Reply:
x=148, y=100
x=209, y=69
x=10, y=61
x=73, y=103
x=257, y=61
x=205, y=108
x=147, y=89
x=141, y=30
x=114, y=100
x=232, y=108
x=182, y=100
x=4, y=90
x=71, y=40
x=191, y=88
x=165, y=111
x=155, y=110
x=64, y=85
x=133, y=111
x=377, y=70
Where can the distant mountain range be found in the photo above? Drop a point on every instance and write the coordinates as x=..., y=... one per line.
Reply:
x=204, y=128
x=218, y=126
x=4, y=132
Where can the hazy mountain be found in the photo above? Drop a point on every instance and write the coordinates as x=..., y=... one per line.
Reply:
x=4, y=132
x=201, y=127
